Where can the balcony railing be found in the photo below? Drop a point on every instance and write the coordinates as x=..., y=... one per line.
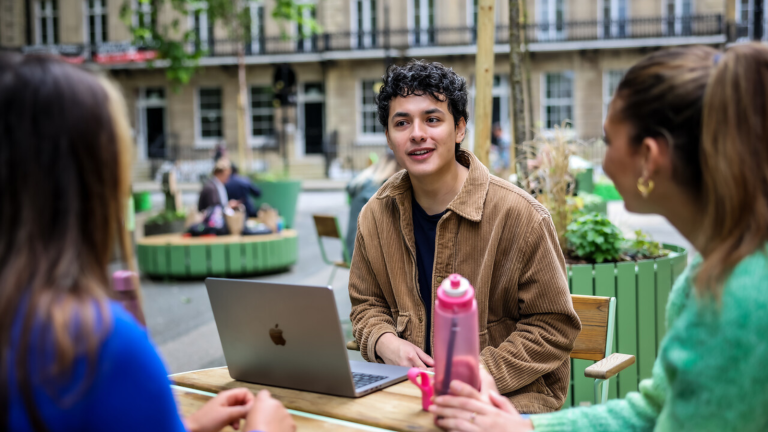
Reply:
x=535, y=33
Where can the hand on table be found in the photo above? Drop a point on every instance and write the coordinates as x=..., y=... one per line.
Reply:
x=227, y=408
x=463, y=410
x=269, y=415
x=400, y=352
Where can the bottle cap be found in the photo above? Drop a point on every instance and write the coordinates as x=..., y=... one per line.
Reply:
x=455, y=285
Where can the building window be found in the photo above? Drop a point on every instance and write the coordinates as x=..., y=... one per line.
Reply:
x=611, y=80
x=370, y=123
x=557, y=101
x=144, y=14
x=262, y=112
x=678, y=17
x=423, y=22
x=96, y=11
x=209, y=109
x=307, y=42
x=364, y=23
x=201, y=27
x=551, y=18
x=255, y=23
x=745, y=19
x=613, y=17
x=47, y=22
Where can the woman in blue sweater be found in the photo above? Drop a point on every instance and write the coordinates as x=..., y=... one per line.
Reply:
x=687, y=138
x=71, y=358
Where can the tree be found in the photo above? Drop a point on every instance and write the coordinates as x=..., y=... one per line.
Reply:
x=174, y=48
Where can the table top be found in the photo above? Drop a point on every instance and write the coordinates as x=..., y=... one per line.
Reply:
x=189, y=401
x=397, y=407
x=178, y=240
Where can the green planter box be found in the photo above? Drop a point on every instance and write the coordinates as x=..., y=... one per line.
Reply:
x=641, y=290
x=607, y=191
x=142, y=201
x=283, y=195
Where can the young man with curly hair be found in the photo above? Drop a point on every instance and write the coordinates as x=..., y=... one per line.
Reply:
x=443, y=214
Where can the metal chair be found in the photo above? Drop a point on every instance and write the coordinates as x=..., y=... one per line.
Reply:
x=328, y=226
x=595, y=342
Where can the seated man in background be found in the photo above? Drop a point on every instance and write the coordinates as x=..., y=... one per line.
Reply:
x=214, y=192
x=446, y=214
x=241, y=188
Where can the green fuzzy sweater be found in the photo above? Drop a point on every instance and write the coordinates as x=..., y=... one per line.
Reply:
x=712, y=370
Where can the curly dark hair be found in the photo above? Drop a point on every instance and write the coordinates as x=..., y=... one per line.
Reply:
x=418, y=78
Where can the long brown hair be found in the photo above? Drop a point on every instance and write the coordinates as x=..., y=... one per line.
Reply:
x=64, y=153
x=711, y=109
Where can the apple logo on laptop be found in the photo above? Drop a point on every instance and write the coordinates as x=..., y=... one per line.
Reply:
x=277, y=336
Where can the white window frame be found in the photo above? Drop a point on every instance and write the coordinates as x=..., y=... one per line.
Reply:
x=544, y=102
x=45, y=15
x=366, y=138
x=614, y=18
x=257, y=26
x=551, y=33
x=502, y=91
x=200, y=141
x=679, y=13
x=141, y=117
x=141, y=8
x=304, y=43
x=750, y=20
x=607, y=93
x=100, y=11
x=258, y=140
x=370, y=13
x=424, y=27
x=205, y=37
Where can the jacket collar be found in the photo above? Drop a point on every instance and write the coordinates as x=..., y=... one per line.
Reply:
x=471, y=198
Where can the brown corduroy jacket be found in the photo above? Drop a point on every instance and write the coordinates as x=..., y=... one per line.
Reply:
x=504, y=242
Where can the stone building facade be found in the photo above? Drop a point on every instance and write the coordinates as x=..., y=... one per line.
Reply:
x=579, y=50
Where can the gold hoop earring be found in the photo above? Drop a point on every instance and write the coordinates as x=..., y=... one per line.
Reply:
x=645, y=190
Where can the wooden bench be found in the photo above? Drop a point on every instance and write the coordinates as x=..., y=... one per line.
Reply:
x=174, y=256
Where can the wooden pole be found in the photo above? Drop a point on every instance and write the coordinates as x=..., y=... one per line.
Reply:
x=486, y=29
x=241, y=120
x=516, y=81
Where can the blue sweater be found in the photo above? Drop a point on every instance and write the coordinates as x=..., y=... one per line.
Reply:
x=128, y=392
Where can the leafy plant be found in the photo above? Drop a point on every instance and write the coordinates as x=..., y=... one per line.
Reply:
x=593, y=237
x=165, y=217
x=644, y=247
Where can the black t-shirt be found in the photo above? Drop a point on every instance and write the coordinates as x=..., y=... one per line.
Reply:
x=425, y=231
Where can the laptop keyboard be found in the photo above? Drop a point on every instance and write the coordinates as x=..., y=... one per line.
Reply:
x=362, y=379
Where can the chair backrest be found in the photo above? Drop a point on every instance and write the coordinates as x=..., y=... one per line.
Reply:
x=596, y=315
x=327, y=226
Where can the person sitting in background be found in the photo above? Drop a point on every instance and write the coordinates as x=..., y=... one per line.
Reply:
x=214, y=192
x=73, y=359
x=363, y=187
x=241, y=189
x=686, y=138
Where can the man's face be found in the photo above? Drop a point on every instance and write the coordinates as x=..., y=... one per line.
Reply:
x=422, y=134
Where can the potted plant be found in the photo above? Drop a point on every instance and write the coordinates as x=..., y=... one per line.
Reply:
x=601, y=261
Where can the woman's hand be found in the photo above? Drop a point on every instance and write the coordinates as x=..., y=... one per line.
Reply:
x=227, y=408
x=465, y=411
x=269, y=415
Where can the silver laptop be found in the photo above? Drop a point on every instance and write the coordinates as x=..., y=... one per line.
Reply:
x=290, y=336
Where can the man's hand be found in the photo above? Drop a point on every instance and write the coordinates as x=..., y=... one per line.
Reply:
x=399, y=352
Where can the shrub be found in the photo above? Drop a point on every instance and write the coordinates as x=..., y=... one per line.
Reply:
x=643, y=247
x=593, y=237
x=166, y=216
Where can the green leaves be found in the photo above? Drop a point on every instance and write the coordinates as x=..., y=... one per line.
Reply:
x=593, y=237
x=643, y=247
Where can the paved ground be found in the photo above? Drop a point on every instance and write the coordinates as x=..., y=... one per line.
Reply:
x=179, y=315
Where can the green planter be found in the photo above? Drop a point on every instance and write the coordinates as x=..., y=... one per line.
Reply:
x=607, y=191
x=584, y=180
x=283, y=195
x=142, y=201
x=641, y=290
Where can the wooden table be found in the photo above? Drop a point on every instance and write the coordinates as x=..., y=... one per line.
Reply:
x=395, y=408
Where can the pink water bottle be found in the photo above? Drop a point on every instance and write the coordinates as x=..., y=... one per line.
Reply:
x=457, y=345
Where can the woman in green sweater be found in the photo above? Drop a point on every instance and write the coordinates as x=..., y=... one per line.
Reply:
x=687, y=138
